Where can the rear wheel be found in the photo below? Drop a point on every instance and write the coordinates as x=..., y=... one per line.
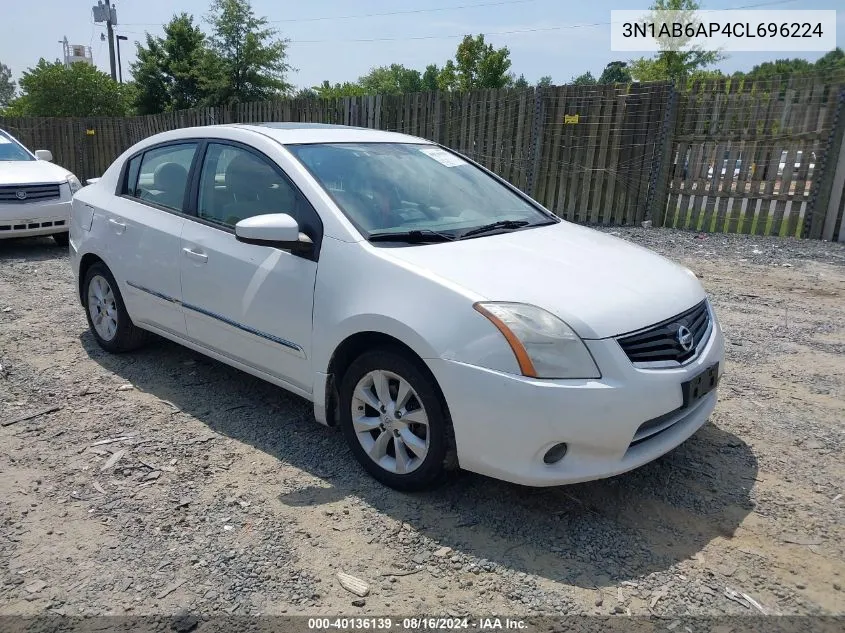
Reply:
x=394, y=421
x=107, y=316
x=62, y=239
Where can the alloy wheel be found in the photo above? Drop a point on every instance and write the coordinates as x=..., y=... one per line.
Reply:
x=390, y=422
x=102, y=307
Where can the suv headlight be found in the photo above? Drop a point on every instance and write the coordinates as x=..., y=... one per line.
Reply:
x=73, y=183
x=544, y=346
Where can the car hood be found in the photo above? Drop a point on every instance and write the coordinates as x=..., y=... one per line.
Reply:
x=602, y=286
x=26, y=172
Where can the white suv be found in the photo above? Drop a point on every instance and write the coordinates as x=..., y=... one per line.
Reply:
x=35, y=195
x=434, y=312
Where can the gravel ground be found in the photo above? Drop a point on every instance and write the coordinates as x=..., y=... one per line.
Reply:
x=164, y=480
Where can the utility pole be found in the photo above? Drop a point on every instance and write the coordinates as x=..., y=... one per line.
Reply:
x=63, y=42
x=120, y=38
x=108, y=14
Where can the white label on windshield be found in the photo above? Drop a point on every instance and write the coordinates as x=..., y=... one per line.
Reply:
x=3, y=139
x=443, y=157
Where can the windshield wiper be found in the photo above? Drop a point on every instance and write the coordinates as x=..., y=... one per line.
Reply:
x=493, y=226
x=421, y=236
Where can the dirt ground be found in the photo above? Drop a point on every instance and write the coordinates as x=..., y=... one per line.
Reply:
x=164, y=480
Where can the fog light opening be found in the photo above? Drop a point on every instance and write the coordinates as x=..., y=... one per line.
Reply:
x=555, y=453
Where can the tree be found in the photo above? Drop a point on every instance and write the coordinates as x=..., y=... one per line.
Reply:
x=832, y=61
x=545, y=81
x=7, y=86
x=586, y=79
x=827, y=66
x=306, y=93
x=81, y=90
x=476, y=65
x=520, y=83
x=347, y=89
x=429, y=78
x=615, y=73
x=246, y=61
x=167, y=71
x=393, y=79
x=447, y=78
x=672, y=63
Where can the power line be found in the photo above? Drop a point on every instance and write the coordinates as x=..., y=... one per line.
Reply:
x=375, y=15
x=510, y=32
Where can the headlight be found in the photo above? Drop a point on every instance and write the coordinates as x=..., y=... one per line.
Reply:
x=73, y=183
x=544, y=346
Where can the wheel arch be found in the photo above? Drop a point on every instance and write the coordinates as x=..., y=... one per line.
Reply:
x=356, y=344
x=85, y=263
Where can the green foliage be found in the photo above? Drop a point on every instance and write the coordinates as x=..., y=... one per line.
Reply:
x=447, y=78
x=429, y=78
x=615, y=73
x=521, y=83
x=670, y=64
x=479, y=65
x=7, y=86
x=829, y=67
x=167, y=71
x=585, y=79
x=391, y=80
x=246, y=61
x=326, y=90
x=81, y=90
x=545, y=81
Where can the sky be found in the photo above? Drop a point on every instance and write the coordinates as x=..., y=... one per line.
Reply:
x=567, y=40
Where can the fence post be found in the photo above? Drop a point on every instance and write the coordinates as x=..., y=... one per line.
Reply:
x=820, y=199
x=658, y=185
x=535, y=150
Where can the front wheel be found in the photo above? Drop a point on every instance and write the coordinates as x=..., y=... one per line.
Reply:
x=394, y=421
x=107, y=316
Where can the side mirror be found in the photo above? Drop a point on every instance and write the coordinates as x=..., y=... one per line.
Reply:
x=274, y=229
x=44, y=154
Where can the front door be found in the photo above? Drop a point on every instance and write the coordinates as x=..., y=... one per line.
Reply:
x=250, y=303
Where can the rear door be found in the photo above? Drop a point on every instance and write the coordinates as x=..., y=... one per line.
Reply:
x=144, y=229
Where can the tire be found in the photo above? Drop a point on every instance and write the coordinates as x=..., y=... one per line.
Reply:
x=62, y=239
x=406, y=470
x=125, y=336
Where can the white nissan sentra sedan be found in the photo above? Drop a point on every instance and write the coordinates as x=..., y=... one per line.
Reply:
x=434, y=312
x=34, y=194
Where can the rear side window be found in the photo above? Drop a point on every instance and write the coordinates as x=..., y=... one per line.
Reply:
x=160, y=175
x=132, y=176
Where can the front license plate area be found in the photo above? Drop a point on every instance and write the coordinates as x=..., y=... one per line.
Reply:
x=695, y=389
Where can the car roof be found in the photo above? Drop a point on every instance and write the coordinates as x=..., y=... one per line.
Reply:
x=296, y=133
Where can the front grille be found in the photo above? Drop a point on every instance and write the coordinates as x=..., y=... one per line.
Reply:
x=29, y=193
x=660, y=342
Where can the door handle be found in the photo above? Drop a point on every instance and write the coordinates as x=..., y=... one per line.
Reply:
x=119, y=227
x=195, y=255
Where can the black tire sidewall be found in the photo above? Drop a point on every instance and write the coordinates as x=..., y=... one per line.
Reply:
x=122, y=340
x=61, y=239
x=432, y=471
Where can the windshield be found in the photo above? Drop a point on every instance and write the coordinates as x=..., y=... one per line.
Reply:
x=10, y=149
x=401, y=187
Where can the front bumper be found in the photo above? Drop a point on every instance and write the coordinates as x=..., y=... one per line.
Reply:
x=35, y=218
x=504, y=424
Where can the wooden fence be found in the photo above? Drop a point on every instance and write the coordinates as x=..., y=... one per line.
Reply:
x=765, y=157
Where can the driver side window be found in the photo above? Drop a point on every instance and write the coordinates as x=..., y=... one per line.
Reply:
x=236, y=184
